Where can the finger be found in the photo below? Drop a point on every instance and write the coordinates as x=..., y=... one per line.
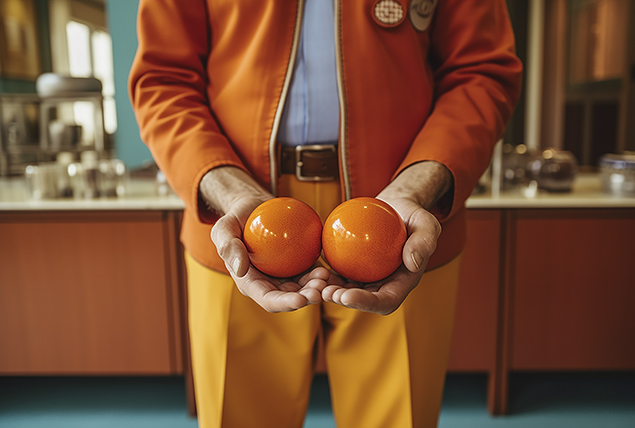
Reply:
x=380, y=302
x=225, y=229
x=317, y=273
x=382, y=297
x=423, y=231
x=315, y=284
x=282, y=301
x=313, y=291
x=269, y=297
x=331, y=292
x=328, y=291
x=288, y=286
x=236, y=257
x=226, y=235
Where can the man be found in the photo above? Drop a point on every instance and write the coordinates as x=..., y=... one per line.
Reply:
x=236, y=101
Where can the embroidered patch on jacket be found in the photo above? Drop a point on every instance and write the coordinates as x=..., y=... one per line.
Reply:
x=421, y=12
x=389, y=13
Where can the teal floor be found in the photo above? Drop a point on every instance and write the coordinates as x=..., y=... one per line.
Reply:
x=536, y=401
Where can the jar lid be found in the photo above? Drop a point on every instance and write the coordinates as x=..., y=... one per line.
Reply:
x=623, y=161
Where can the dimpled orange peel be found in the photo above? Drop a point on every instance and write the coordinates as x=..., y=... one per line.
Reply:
x=363, y=239
x=283, y=237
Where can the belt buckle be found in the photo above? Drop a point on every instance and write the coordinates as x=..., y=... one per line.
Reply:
x=299, y=163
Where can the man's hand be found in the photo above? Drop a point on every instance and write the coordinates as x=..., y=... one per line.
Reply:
x=412, y=193
x=234, y=194
x=385, y=296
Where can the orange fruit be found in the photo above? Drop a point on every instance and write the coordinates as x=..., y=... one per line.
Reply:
x=363, y=239
x=283, y=237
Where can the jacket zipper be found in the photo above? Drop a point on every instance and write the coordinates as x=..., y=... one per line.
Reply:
x=273, y=154
x=343, y=141
x=273, y=148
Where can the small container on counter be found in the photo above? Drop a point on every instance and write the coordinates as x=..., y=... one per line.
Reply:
x=113, y=178
x=90, y=178
x=42, y=180
x=618, y=174
x=64, y=186
x=93, y=177
x=553, y=170
x=514, y=164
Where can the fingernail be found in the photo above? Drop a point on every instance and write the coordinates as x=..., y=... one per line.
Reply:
x=417, y=260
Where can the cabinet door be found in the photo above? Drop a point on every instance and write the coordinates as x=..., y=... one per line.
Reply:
x=573, y=290
x=88, y=293
x=475, y=329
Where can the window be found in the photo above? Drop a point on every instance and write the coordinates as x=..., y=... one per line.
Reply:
x=586, y=78
x=597, y=39
x=90, y=55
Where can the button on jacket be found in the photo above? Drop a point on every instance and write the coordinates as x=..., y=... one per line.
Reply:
x=210, y=77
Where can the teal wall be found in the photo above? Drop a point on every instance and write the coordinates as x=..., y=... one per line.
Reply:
x=122, y=16
x=16, y=86
x=42, y=10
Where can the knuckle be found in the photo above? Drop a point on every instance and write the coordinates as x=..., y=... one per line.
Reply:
x=222, y=236
x=429, y=221
x=224, y=249
x=430, y=246
x=216, y=231
x=436, y=226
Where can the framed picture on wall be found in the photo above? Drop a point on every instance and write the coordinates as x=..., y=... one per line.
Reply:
x=19, y=48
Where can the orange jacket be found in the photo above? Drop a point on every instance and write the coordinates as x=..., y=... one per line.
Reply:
x=210, y=77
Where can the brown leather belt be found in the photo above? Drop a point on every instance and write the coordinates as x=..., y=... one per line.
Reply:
x=317, y=162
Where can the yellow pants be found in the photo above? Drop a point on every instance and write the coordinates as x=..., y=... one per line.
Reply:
x=254, y=369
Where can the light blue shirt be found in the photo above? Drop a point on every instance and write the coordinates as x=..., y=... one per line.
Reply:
x=312, y=112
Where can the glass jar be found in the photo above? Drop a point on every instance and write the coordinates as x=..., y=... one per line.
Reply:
x=618, y=174
x=553, y=170
x=113, y=178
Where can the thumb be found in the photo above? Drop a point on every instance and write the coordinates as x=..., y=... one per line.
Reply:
x=423, y=231
x=226, y=235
